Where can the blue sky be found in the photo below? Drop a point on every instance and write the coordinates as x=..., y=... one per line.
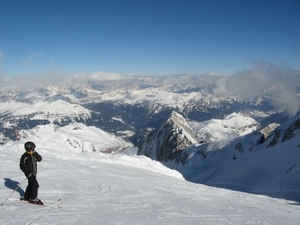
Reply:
x=147, y=37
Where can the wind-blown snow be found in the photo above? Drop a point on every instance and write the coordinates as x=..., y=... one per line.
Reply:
x=97, y=188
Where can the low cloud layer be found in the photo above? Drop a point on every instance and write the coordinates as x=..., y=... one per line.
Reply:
x=58, y=78
x=280, y=84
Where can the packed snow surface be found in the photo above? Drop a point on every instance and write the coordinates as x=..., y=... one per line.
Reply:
x=97, y=188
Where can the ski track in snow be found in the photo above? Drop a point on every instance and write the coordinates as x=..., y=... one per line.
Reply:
x=95, y=188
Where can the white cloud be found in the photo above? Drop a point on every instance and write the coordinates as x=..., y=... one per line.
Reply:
x=287, y=100
x=105, y=76
x=220, y=88
x=279, y=83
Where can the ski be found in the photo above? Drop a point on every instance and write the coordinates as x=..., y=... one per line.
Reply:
x=55, y=205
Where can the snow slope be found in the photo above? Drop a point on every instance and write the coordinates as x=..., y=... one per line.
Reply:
x=97, y=188
x=53, y=111
x=75, y=137
x=219, y=132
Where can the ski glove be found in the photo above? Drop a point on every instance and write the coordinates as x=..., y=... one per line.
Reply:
x=37, y=156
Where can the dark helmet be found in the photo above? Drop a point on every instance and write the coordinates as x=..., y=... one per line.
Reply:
x=29, y=145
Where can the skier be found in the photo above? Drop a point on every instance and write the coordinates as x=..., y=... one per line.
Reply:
x=28, y=164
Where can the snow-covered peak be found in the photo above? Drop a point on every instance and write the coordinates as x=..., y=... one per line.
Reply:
x=44, y=110
x=224, y=130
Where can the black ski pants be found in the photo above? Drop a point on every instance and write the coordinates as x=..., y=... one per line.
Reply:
x=32, y=188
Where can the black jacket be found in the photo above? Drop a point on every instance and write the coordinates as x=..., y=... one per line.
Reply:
x=28, y=163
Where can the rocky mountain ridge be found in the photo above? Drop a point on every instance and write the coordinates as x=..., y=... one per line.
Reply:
x=271, y=152
x=177, y=134
x=169, y=140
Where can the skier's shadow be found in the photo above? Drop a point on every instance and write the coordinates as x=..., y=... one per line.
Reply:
x=11, y=184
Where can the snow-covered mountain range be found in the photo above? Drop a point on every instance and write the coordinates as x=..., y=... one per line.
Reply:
x=207, y=127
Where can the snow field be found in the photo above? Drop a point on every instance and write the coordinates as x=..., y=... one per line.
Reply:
x=98, y=188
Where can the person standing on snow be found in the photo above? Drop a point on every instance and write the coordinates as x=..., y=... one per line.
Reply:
x=28, y=164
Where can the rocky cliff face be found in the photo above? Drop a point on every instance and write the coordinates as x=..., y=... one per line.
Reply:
x=287, y=132
x=266, y=131
x=269, y=136
x=169, y=140
x=256, y=138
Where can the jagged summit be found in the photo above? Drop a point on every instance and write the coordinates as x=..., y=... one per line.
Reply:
x=169, y=140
